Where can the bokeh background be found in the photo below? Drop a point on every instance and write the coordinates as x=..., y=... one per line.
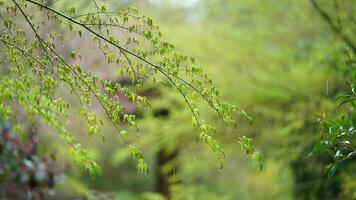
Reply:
x=277, y=59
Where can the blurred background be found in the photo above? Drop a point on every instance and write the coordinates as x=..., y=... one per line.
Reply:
x=277, y=59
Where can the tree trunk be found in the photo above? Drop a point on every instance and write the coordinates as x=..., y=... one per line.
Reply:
x=166, y=178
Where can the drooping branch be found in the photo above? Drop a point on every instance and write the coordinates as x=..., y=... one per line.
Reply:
x=160, y=69
x=43, y=53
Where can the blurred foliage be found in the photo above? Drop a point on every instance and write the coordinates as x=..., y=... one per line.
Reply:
x=23, y=173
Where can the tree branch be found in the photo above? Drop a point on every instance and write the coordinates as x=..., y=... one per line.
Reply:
x=337, y=30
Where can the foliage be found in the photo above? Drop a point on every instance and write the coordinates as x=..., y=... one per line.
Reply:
x=285, y=68
x=247, y=144
x=338, y=133
x=33, y=68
